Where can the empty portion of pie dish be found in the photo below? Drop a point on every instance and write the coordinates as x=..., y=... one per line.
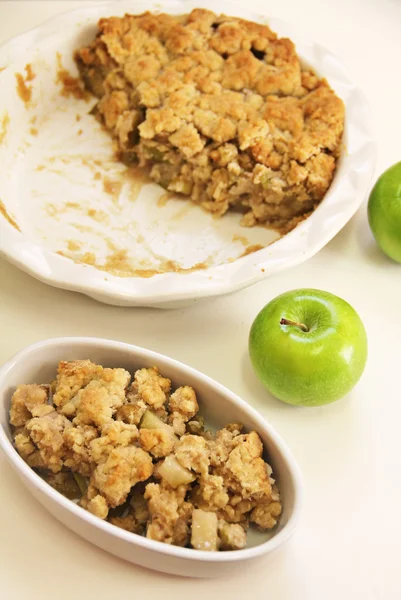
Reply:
x=216, y=109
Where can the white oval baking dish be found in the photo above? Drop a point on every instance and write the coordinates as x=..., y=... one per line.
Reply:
x=170, y=233
x=38, y=362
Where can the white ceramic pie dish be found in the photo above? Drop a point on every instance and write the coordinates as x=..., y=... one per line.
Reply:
x=48, y=183
x=37, y=363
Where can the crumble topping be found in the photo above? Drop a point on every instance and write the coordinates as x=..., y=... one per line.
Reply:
x=115, y=447
x=218, y=109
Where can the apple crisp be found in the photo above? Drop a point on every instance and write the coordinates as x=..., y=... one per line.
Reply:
x=217, y=109
x=136, y=453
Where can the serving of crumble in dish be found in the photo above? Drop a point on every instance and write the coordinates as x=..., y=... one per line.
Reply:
x=138, y=454
x=111, y=121
x=140, y=459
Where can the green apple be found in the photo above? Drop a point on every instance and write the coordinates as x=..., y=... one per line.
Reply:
x=384, y=212
x=308, y=347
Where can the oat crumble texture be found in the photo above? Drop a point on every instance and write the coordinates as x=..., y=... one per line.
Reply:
x=218, y=109
x=134, y=451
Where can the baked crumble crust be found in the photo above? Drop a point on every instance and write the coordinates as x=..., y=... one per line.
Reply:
x=219, y=109
x=140, y=473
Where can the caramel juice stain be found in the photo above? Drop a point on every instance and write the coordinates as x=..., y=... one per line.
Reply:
x=134, y=177
x=4, y=123
x=98, y=215
x=112, y=187
x=30, y=75
x=250, y=249
x=24, y=91
x=137, y=178
x=119, y=264
x=70, y=86
x=164, y=198
x=8, y=217
x=240, y=238
x=73, y=246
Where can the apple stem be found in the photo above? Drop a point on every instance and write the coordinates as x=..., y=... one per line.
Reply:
x=295, y=324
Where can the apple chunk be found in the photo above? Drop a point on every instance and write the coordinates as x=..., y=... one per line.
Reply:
x=152, y=421
x=204, y=530
x=174, y=473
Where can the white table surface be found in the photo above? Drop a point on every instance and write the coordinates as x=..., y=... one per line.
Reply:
x=348, y=544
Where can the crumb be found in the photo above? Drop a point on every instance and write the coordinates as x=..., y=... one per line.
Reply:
x=25, y=400
x=123, y=469
x=156, y=441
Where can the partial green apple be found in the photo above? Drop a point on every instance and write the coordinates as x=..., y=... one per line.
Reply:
x=308, y=347
x=384, y=212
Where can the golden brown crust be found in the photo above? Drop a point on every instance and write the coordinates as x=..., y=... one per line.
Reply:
x=156, y=441
x=79, y=457
x=90, y=393
x=266, y=515
x=123, y=468
x=71, y=377
x=113, y=435
x=140, y=457
x=47, y=433
x=204, y=101
x=183, y=401
x=150, y=387
x=98, y=506
x=192, y=453
x=26, y=401
x=211, y=493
